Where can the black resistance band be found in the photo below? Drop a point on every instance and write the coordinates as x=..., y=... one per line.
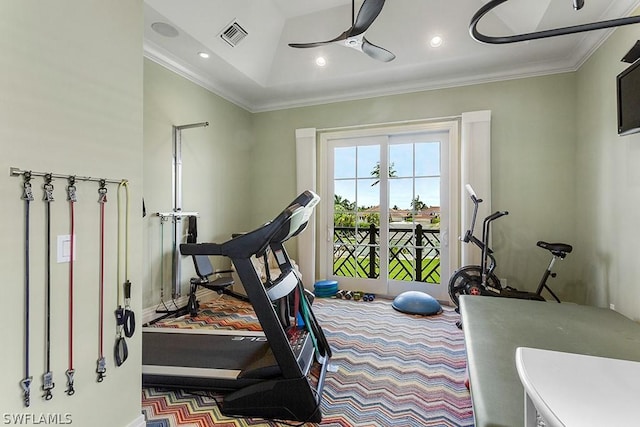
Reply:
x=72, y=199
x=47, y=378
x=27, y=196
x=101, y=369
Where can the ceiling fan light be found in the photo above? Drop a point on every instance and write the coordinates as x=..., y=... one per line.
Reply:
x=436, y=41
x=353, y=42
x=203, y=55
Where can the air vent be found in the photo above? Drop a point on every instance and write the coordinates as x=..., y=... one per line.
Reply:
x=233, y=34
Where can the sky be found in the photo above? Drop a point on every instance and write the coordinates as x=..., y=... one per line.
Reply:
x=417, y=173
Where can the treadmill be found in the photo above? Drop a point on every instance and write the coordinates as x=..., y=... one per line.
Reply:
x=266, y=373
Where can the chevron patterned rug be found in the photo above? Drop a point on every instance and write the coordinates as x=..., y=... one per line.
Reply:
x=393, y=369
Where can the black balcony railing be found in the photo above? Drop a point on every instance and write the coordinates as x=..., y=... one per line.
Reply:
x=414, y=253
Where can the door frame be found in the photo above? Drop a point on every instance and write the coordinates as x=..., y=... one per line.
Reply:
x=448, y=237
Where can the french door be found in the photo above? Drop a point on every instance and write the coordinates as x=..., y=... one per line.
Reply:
x=387, y=209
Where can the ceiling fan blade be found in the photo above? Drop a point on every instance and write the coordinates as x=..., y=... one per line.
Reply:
x=342, y=36
x=368, y=13
x=376, y=52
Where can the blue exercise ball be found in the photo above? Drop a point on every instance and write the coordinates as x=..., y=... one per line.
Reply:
x=415, y=302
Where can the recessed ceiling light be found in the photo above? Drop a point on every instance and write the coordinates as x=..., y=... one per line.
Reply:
x=204, y=55
x=320, y=61
x=436, y=41
x=164, y=29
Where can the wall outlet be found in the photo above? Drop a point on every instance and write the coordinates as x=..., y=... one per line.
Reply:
x=612, y=307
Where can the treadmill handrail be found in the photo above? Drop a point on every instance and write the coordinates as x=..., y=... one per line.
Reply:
x=290, y=222
x=283, y=286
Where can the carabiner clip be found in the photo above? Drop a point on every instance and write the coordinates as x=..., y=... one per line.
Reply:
x=26, y=386
x=48, y=385
x=48, y=188
x=69, y=373
x=102, y=191
x=101, y=369
x=27, y=193
x=71, y=190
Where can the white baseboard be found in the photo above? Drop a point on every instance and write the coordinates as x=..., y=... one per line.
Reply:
x=138, y=422
x=149, y=313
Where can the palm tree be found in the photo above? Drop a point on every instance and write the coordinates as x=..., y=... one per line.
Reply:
x=376, y=172
x=417, y=204
x=338, y=200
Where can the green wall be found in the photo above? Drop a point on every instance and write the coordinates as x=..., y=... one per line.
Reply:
x=608, y=183
x=533, y=160
x=216, y=171
x=71, y=103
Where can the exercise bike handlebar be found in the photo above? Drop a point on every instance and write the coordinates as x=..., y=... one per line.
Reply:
x=496, y=215
x=472, y=194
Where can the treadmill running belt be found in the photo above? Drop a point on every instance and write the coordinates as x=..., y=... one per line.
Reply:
x=204, y=351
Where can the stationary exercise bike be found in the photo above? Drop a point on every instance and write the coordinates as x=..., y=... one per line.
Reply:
x=481, y=280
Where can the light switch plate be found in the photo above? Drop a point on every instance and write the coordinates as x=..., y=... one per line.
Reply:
x=64, y=248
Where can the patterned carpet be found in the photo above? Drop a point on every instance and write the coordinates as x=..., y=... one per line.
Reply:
x=393, y=369
x=221, y=312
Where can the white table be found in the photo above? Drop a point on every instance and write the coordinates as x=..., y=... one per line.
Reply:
x=576, y=390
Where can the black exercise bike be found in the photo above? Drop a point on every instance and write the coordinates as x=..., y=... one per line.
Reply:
x=481, y=280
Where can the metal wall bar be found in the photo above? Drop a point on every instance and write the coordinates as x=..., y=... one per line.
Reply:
x=175, y=214
x=20, y=172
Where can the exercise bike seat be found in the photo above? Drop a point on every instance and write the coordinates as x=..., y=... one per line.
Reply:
x=558, y=249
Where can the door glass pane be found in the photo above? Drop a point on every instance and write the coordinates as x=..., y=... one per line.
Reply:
x=384, y=221
x=344, y=197
x=414, y=207
x=368, y=195
x=368, y=261
x=401, y=266
x=344, y=163
x=344, y=261
x=401, y=160
x=356, y=211
x=427, y=161
x=427, y=192
x=368, y=161
x=400, y=196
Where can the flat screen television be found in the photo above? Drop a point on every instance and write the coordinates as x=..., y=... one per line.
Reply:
x=628, y=88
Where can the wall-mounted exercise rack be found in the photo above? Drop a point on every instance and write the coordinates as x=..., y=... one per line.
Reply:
x=166, y=215
x=175, y=217
x=127, y=323
x=177, y=214
x=20, y=172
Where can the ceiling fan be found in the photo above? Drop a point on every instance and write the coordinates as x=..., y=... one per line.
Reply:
x=354, y=36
